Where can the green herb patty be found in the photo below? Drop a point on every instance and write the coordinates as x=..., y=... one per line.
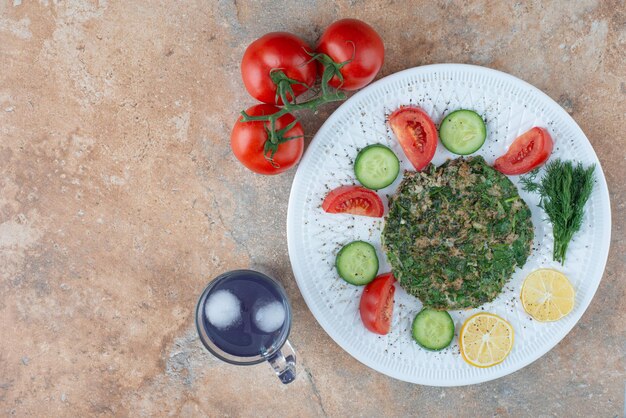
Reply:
x=455, y=233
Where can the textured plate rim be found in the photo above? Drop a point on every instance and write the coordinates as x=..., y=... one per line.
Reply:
x=300, y=276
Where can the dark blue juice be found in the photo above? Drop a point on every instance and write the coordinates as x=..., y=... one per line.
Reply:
x=246, y=339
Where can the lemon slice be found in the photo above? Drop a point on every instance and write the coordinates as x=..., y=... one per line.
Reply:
x=485, y=340
x=547, y=295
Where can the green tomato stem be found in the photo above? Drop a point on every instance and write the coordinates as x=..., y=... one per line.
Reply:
x=284, y=91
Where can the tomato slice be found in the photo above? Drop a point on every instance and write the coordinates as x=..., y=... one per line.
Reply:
x=417, y=134
x=527, y=152
x=355, y=200
x=376, y=305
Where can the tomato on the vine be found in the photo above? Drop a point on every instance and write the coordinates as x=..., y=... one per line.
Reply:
x=278, y=67
x=357, y=44
x=249, y=141
x=274, y=52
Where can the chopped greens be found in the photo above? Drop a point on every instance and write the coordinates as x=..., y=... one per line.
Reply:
x=455, y=233
x=564, y=189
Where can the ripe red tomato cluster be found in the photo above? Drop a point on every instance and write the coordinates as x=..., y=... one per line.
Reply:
x=280, y=65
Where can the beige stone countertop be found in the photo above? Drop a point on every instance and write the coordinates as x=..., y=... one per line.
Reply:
x=120, y=199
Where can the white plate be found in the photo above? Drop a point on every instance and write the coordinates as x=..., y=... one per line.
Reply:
x=510, y=107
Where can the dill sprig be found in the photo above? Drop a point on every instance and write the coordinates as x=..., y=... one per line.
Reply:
x=564, y=189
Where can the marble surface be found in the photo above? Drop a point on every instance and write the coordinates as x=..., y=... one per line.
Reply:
x=120, y=199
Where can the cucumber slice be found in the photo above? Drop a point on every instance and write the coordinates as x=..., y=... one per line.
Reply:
x=463, y=132
x=376, y=166
x=433, y=330
x=357, y=263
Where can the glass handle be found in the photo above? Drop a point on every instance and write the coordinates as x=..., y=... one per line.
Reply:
x=283, y=362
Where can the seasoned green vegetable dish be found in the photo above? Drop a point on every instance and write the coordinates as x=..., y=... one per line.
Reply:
x=455, y=233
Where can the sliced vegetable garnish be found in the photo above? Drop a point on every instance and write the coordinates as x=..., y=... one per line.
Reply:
x=357, y=263
x=354, y=200
x=416, y=133
x=376, y=166
x=376, y=307
x=463, y=132
x=433, y=330
x=527, y=152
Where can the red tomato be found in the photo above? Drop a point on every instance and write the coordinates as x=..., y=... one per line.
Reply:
x=276, y=50
x=247, y=141
x=526, y=153
x=353, y=39
x=377, y=304
x=416, y=133
x=355, y=200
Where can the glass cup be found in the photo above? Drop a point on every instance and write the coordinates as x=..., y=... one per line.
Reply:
x=243, y=317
